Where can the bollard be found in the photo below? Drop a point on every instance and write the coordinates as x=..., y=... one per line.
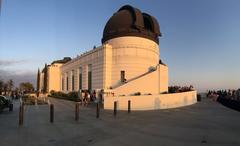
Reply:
x=21, y=110
x=11, y=107
x=97, y=110
x=77, y=111
x=115, y=108
x=51, y=113
x=129, y=106
x=199, y=97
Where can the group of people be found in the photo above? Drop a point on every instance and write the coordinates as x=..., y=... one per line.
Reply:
x=230, y=98
x=230, y=94
x=85, y=96
x=15, y=95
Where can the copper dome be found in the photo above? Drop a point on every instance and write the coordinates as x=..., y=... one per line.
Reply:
x=130, y=21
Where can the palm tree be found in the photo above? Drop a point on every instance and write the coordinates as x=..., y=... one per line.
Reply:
x=45, y=79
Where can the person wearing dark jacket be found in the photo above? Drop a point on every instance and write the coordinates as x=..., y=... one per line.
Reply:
x=234, y=104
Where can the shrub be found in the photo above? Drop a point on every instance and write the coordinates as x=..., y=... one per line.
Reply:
x=52, y=92
x=58, y=94
x=137, y=94
x=30, y=100
x=172, y=89
x=73, y=95
x=61, y=94
x=151, y=69
x=70, y=96
x=178, y=89
x=26, y=97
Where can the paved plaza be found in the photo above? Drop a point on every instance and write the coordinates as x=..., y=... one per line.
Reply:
x=204, y=123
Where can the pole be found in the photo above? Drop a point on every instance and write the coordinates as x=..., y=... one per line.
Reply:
x=115, y=108
x=97, y=110
x=51, y=113
x=10, y=107
x=77, y=111
x=129, y=106
x=21, y=110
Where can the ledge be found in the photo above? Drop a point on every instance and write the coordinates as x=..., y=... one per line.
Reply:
x=152, y=102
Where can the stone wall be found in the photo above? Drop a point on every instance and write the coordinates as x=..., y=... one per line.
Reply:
x=152, y=102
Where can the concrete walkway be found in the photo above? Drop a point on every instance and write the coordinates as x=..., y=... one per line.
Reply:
x=205, y=123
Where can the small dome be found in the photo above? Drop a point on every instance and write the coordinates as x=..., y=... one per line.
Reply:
x=129, y=21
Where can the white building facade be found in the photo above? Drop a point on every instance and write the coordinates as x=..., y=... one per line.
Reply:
x=105, y=67
x=127, y=61
x=125, y=65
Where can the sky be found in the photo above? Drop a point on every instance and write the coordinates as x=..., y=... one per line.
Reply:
x=200, y=40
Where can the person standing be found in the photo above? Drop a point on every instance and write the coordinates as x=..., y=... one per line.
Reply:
x=85, y=99
x=83, y=96
x=94, y=96
x=80, y=96
x=88, y=97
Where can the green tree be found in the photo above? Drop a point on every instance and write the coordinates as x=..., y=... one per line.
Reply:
x=26, y=87
x=10, y=85
x=45, y=78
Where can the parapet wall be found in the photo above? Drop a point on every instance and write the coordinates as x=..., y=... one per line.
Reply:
x=152, y=102
x=154, y=82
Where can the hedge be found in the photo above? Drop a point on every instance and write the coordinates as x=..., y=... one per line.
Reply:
x=73, y=96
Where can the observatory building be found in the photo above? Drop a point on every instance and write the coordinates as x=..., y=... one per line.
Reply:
x=127, y=62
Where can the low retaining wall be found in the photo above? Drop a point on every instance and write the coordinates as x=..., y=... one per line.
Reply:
x=152, y=102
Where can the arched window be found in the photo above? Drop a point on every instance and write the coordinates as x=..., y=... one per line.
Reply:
x=62, y=83
x=80, y=78
x=72, y=80
x=90, y=77
x=67, y=81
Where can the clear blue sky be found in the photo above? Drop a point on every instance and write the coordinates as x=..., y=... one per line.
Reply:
x=200, y=42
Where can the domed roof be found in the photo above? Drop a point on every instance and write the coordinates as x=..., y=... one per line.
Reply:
x=130, y=21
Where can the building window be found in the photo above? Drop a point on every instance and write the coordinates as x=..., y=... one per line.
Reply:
x=80, y=78
x=62, y=83
x=72, y=80
x=90, y=77
x=67, y=81
x=123, y=76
